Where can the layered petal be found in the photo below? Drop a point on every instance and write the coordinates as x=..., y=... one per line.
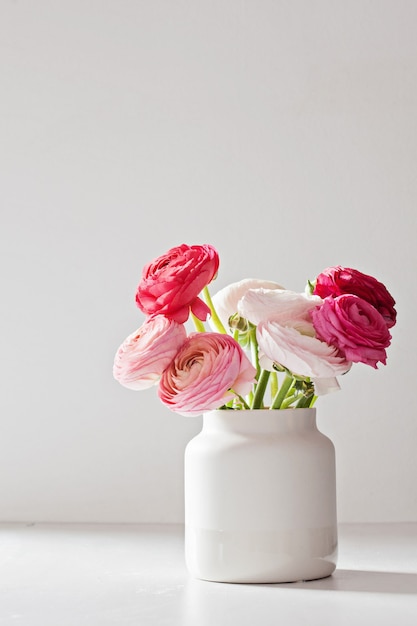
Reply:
x=170, y=284
x=280, y=305
x=144, y=355
x=299, y=352
x=355, y=327
x=226, y=300
x=208, y=371
x=336, y=281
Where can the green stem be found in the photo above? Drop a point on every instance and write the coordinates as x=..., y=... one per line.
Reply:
x=286, y=385
x=245, y=404
x=289, y=400
x=307, y=399
x=198, y=324
x=274, y=384
x=306, y=402
x=254, y=352
x=260, y=389
x=216, y=319
x=302, y=403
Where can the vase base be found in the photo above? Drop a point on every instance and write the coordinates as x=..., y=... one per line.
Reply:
x=261, y=557
x=279, y=578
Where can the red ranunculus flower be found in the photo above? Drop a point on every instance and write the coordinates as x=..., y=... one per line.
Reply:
x=336, y=281
x=171, y=283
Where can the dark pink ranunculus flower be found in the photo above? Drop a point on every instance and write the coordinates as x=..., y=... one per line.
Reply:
x=143, y=356
x=336, y=281
x=355, y=327
x=208, y=371
x=170, y=284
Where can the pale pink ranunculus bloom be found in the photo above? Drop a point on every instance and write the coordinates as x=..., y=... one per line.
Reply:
x=295, y=347
x=280, y=305
x=355, y=327
x=208, y=371
x=146, y=353
x=226, y=300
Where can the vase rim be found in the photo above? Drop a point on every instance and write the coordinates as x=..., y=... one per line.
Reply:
x=264, y=420
x=289, y=411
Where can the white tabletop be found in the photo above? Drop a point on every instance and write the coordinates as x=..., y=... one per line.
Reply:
x=134, y=575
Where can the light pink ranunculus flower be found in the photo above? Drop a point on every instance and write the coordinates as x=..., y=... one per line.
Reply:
x=280, y=305
x=226, y=300
x=144, y=355
x=208, y=371
x=354, y=327
x=295, y=347
x=171, y=283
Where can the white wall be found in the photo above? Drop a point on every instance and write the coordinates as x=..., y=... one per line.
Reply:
x=282, y=132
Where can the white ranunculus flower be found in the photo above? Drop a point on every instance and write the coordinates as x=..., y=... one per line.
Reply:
x=281, y=305
x=226, y=300
x=303, y=354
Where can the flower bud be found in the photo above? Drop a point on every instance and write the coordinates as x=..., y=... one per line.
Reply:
x=237, y=322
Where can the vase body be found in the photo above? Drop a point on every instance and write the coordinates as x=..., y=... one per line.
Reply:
x=260, y=498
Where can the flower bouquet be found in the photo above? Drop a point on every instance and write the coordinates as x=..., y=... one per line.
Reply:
x=254, y=344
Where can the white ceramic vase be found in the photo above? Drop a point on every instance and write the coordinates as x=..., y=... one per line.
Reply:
x=260, y=498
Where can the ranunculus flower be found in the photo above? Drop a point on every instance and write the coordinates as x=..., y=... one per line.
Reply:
x=170, y=284
x=281, y=305
x=144, y=355
x=208, y=371
x=336, y=281
x=295, y=347
x=226, y=300
x=355, y=327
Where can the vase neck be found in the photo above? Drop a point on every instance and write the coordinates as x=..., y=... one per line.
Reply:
x=260, y=421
